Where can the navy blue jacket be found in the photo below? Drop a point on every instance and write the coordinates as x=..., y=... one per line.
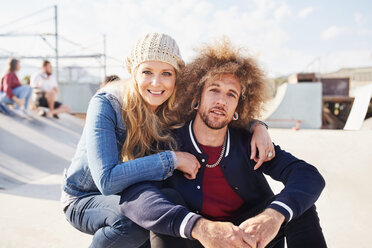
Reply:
x=144, y=204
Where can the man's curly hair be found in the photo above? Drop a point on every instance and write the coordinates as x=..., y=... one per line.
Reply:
x=213, y=61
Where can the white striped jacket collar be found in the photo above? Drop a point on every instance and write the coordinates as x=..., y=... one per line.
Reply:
x=197, y=148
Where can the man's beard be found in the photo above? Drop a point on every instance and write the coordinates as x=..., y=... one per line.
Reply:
x=48, y=73
x=212, y=124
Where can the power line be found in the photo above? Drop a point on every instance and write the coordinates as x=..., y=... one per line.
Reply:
x=88, y=46
x=47, y=42
x=6, y=51
x=73, y=42
x=29, y=25
x=27, y=34
x=61, y=57
x=25, y=17
x=85, y=48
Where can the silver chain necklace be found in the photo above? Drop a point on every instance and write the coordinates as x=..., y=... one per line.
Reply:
x=221, y=155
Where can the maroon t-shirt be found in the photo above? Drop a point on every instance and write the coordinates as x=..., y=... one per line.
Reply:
x=8, y=83
x=220, y=202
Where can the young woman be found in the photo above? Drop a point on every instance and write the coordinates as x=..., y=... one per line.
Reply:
x=11, y=90
x=127, y=124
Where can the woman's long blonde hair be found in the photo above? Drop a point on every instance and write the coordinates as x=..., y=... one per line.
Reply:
x=147, y=131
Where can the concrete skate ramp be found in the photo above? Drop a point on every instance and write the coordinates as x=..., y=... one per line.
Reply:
x=33, y=148
x=33, y=154
x=360, y=107
x=294, y=103
x=367, y=124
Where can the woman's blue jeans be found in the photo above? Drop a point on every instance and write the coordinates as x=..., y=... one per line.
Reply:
x=22, y=92
x=99, y=215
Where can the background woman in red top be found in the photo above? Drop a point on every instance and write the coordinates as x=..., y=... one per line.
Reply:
x=11, y=90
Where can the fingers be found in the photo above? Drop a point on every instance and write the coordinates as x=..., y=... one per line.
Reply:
x=243, y=225
x=193, y=170
x=253, y=149
x=266, y=153
x=197, y=164
x=258, y=164
x=270, y=151
x=261, y=245
x=239, y=242
x=251, y=241
x=196, y=168
x=245, y=240
x=188, y=176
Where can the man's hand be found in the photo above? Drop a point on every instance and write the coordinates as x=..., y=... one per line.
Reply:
x=188, y=164
x=212, y=234
x=263, y=227
x=261, y=140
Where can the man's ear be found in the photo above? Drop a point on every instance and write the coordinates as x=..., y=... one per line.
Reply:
x=196, y=105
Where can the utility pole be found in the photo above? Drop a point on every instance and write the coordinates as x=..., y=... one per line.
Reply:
x=56, y=40
x=104, y=57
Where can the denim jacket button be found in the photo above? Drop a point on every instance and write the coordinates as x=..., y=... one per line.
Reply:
x=198, y=187
x=203, y=160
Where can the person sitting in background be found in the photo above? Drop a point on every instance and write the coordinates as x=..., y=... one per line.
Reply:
x=11, y=90
x=45, y=92
x=109, y=79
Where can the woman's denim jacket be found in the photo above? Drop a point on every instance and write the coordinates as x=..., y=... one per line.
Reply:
x=97, y=166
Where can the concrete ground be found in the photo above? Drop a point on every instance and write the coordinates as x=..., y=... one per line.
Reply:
x=34, y=152
x=344, y=158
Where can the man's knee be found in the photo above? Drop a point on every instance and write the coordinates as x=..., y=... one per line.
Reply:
x=310, y=215
x=308, y=220
x=305, y=230
x=130, y=231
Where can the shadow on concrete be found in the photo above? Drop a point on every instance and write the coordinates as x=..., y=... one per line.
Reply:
x=63, y=131
x=25, y=161
x=39, y=191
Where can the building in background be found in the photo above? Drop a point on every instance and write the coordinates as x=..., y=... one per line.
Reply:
x=338, y=92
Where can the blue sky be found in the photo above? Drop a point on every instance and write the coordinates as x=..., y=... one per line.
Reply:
x=285, y=36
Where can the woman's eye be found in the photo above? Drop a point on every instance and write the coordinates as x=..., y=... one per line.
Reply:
x=232, y=95
x=167, y=74
x=214, y=90
x=146, y=72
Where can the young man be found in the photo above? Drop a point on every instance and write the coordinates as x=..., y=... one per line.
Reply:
x=229, y=204
x=45, y=91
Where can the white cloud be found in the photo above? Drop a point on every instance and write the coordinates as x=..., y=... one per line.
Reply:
x=193, y=22
x=305, y=12
x=332, y=32
x=358, y=18
x=256, y=25
x=346, y=59
x=282, y=11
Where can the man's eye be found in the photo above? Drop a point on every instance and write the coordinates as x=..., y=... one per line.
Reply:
x=167, y=74
x=146, y=72
x=214, y=90
x=232, y=95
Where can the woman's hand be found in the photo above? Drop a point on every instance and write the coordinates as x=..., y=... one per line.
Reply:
x=18, y=101
x=188, y=164
x=261, y=141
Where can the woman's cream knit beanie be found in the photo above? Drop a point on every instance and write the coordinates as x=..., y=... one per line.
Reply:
x=155, y=47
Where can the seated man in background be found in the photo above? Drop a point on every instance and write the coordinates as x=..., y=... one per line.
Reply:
x=229, y=204
x=45, y=92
